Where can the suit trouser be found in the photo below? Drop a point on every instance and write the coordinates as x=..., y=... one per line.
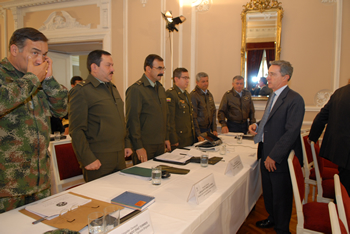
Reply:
x=278, y=196
x=110, y=163
x=344, y=176
x=152, y=150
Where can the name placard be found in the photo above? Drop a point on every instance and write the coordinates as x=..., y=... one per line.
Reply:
x=203, y=189
x=235, y=165
x=138, y=224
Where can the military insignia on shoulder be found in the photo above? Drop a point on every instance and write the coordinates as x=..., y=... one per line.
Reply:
x=139, y=82
x=170, y=89
x=84, y=82
x=168, y=99
x=229, y=91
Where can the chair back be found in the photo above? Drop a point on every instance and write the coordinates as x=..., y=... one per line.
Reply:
x=65, y=165
x=343, y=202
x=67, y=162
x=336, y=223
x=297, y=173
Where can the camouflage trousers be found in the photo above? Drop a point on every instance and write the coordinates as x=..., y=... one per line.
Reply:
x=9, y=203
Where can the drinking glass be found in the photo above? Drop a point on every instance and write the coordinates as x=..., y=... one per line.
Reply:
x=156, y=175
x=204, y=159
x=112, y=218
x=57, y=136
x=95, y=222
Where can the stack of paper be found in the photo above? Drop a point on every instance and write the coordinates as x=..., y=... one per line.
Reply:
x=51, y=208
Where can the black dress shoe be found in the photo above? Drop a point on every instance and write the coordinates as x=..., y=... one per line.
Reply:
x=265, y=224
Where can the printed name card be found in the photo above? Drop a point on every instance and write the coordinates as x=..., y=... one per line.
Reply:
x=203, y=189
x=234, y=165
x=138, y=224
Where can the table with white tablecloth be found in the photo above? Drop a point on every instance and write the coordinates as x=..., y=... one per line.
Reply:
x=223, y=212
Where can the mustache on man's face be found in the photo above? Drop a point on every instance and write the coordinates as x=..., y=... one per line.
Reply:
x=160, y=74
x=111, y=73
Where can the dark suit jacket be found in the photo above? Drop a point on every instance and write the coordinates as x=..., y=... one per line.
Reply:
x=336, y=113
x=282, y=129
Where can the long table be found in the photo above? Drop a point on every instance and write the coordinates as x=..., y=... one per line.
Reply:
x=223, y=212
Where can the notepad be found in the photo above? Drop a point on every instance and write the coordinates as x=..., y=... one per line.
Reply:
x=133, y=200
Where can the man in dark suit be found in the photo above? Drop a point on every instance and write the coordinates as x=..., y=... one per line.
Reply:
x=278, y=133
x=335, y=144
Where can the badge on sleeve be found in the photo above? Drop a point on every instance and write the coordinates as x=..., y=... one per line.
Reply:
x=168, y=99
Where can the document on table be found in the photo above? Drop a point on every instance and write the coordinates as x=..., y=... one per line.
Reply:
x=175, y=157
x=51, y=208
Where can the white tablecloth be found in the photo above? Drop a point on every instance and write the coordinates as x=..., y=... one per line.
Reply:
x=223, y=212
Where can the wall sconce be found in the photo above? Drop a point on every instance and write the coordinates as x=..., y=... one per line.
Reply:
x=172, y=22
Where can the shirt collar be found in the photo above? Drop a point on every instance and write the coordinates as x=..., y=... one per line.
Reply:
x=279, y=91
x=240, y=94
x=151, y=82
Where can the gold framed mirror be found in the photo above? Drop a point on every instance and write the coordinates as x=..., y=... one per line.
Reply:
x=261, y=39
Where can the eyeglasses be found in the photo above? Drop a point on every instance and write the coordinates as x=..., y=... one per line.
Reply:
x=185, y=77
x=159, y=68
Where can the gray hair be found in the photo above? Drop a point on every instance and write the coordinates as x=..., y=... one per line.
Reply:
x=285, y=67
x=237, y=78
x=200, y=75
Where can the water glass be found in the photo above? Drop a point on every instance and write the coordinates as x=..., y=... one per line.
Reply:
x=57, y=136
x=111, y=218
x=156, y=175
x=239, y=139
x=204, y=159
x=95, y=222
x=223, y=149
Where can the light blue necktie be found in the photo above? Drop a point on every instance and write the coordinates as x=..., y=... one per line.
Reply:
x=258, y=137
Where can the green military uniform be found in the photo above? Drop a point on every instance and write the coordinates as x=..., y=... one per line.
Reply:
x=237, y=110
x=147, y=117
x=180, y=119
x=97, y=127
x=26, y=106
x=204, y=111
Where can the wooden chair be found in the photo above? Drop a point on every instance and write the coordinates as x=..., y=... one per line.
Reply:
x=66, y=168
x=325, y=187
x=312, y=217
x=343, y=202
x=336, y=223
x=309, y=174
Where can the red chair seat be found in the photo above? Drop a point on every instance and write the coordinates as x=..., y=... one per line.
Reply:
x=328, y=189
x=313, y=220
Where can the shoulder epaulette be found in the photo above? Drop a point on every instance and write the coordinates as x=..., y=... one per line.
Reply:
x=84, y=82
x=139, y=82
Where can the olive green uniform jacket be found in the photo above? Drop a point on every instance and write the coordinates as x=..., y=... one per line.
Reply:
x=26, y=105
x=180, y=119
x=146, y=113
x=96, y=120
x=235, y=108
x=204, y=110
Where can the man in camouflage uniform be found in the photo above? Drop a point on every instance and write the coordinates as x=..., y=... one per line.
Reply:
x=204, y=110
x=236, y=107
x=29, y=96
x=180, y=111
x=147, y=112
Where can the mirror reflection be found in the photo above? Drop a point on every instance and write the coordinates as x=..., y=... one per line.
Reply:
x=261, y=33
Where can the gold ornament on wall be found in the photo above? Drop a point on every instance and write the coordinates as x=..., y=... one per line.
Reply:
x=262, y=5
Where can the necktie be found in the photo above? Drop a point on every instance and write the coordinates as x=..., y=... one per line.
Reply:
x=258, y=137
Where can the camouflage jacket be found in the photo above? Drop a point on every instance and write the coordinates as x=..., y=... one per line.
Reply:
x=25, y=107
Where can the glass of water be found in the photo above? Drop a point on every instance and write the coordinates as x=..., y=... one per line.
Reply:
x=204, y=159
x=112, y=218
x=57, y=136
x=95, y=222
x=157, y=175
x=239, y=139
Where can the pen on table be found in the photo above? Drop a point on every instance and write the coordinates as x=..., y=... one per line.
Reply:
x=40, y=220
x=182, y=154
